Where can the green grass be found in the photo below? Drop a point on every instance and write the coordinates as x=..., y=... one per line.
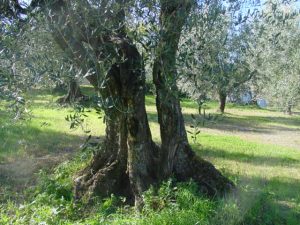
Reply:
x=267, y=175
x=46, y=131
x=271, y=171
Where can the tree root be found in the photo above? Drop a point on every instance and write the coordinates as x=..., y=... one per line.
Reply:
x=211, y=182
x=111, y=179
x=106, y=176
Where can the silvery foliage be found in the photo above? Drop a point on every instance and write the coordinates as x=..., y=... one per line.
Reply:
x=32, y=54
x=213, y=49
x=278, y=42
x=29, y=58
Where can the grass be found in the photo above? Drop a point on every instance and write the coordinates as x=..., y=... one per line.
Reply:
x=267, y=174
x=272, y=171
x=46, y=131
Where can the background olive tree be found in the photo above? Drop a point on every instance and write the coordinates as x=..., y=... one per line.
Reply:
x=212, y=57
x=277, y=47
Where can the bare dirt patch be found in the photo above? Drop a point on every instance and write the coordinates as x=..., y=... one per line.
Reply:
x=21, y=173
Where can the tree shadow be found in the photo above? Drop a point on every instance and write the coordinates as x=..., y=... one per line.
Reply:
x=249, y=158
x=221, y=123
x=26, y=149
x=269, y=201
x=25, y=137
x=255, y=124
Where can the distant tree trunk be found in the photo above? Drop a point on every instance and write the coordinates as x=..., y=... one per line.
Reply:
x=176, y=155
x=74, y=93
x=289, y=109
x=222, y=101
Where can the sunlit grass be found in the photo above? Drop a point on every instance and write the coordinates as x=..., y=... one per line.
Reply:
x=46, y=131
x=262, y=168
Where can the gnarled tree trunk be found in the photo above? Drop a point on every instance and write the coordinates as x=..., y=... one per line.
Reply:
x=126, y=165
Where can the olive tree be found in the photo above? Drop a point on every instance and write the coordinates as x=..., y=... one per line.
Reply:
x=95, y=37
x=214, y=51
x=277, y=46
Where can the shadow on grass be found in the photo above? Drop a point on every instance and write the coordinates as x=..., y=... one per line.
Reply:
x=44, y=97
x=232, y=122
x=256, y=124
x=25, y=138
x=249, y=158
x=221, y=123
x=288, y=121
x=88, y=90
x=269, y=201
x=41, y=93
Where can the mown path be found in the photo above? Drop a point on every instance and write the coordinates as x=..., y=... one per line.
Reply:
x=277, y=135
x=264, y=126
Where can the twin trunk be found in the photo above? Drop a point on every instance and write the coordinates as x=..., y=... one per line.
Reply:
x=130, y=161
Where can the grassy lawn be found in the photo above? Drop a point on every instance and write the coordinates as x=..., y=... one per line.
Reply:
x=46, y=131
x=247, y=144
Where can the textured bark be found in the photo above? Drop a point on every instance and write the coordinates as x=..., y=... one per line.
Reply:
x=128, y=151
x=141, y=148
x=128, y=155
x=176, y=155
x=222, y=101
x=74, y=94
x=173, y=134
x=106, y=173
